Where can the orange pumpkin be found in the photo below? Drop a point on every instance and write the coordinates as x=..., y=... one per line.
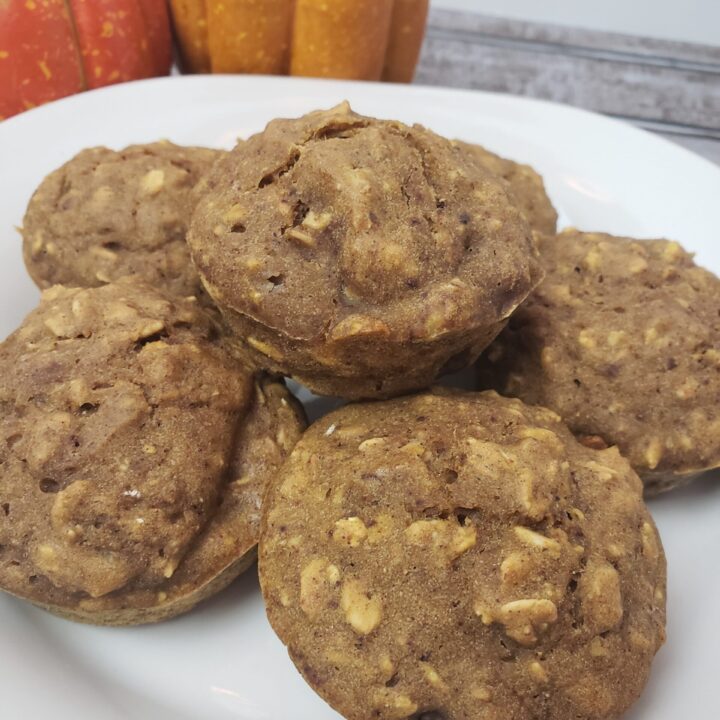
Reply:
x=53, y=48
x=354, y=39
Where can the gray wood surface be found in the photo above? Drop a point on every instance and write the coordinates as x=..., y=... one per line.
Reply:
x=671, y=88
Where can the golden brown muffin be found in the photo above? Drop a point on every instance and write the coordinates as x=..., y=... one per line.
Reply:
x=525, y=186
x=106, y=214
x=462, y=556
x=134, y=454
x=360, y=256
x=622, y=339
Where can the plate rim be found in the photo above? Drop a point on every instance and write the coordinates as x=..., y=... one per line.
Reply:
x=619, y=124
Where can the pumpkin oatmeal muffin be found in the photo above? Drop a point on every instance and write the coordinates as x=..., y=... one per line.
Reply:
x=106, y=214
x=134, y=455
x=622, y=339
x=525, y=186
x=461, y=556
x=362, y=257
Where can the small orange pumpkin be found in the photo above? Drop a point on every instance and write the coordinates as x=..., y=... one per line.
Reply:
x=53, y=48
x=353, y=39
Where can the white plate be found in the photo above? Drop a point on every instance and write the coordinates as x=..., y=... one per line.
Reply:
x=222, y=660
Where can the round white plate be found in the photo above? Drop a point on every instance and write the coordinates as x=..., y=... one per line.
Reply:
x=222, y=660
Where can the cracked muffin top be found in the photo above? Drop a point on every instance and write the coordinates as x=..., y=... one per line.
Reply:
x=622, y=338
x=525, y=186
x=134, y=454
x=105, y=214
x=334, y=239
x=460, y=555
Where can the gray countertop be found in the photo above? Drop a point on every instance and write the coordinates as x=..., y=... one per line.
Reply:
x=670, y=88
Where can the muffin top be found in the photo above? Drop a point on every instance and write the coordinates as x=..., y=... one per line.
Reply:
x=335, y=224
x=460, y=555
x=125, y=423
x=622, y=339
x=106, y=214
x=525, y=186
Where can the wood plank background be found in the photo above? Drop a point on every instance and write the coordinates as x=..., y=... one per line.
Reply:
x=671, y=88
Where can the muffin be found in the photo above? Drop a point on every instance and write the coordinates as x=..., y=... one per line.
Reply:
x=525, y=186
x=461, y=555
x=622, y=339
x=106, y=214
x=361, y=257
x=134, y=454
